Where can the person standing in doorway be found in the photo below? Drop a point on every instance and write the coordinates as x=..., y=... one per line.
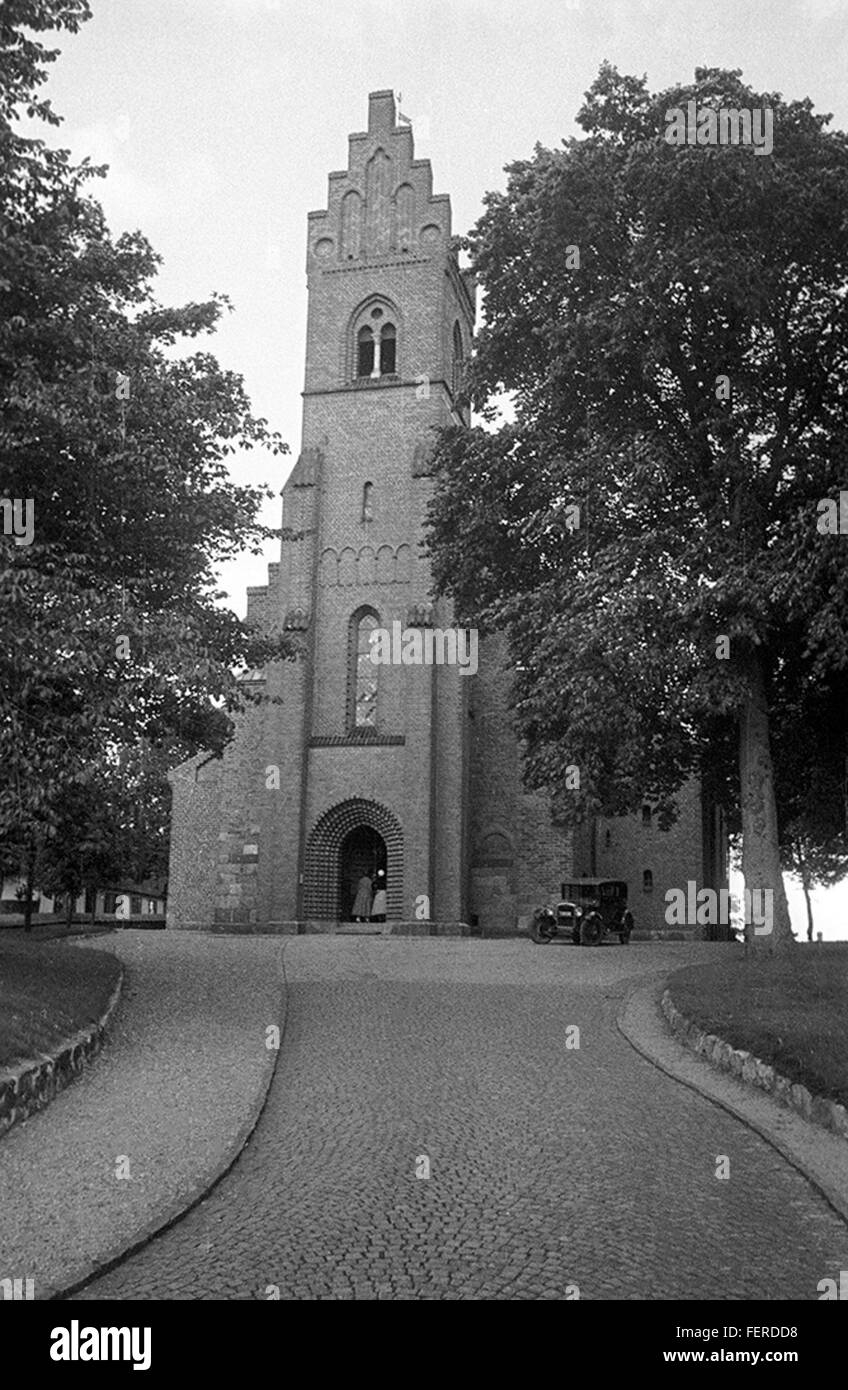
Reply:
x=378, y=908
x=362, y=902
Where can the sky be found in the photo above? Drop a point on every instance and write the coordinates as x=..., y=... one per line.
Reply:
x=221, y=119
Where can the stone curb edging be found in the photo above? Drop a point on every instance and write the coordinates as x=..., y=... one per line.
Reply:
x=185, y=1204
x=819, y=1156
x=751, y=1071
x=30, y=1085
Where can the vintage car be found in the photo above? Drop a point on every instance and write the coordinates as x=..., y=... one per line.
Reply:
x=589, y=910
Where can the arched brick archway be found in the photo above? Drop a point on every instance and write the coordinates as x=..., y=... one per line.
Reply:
x=323, y=847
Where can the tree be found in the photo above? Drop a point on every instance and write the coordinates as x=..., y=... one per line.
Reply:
x=810, y=789
x=75, y=846
x=111, y=634
x=113, y=825
x=646, y=531
x=816, y=863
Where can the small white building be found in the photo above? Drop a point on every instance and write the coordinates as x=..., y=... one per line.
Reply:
x=125, y=901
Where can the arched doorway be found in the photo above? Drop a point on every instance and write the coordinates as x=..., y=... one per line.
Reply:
x=326, y=853
x=363, y=851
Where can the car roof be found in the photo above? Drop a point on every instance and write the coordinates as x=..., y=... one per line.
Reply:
x=592, y=882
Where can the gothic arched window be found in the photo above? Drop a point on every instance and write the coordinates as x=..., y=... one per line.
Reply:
x=374, y=333
x=362, y=672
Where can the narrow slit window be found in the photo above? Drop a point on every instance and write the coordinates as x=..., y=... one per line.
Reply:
x=456, y=372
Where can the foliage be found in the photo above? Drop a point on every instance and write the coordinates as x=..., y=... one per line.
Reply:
x=660, y=637
x=111, y=631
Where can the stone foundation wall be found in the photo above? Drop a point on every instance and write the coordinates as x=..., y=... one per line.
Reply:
x=32, y=1084
x=315, y=928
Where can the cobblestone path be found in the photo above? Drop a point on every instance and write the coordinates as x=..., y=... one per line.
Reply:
x=550, y=1166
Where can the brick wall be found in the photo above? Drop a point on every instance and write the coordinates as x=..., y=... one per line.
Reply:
x=518, y=856
x=193, y=870
x=626, y=847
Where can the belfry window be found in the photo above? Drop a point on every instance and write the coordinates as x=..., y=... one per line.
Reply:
x=365, y=352
x=362, y=675
x=367, y=506
x=374, y=342
x=388, y=350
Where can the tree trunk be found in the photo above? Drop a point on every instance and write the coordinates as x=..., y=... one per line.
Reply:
x=30, y=884
x=760, y=846
x=69, y=911
x=805, y=884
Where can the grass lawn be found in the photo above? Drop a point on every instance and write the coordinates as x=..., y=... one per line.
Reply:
x=790, y=1010
x=47, y=993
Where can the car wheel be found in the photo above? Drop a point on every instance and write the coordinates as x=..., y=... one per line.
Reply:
x=542, y=929
x=591, y=930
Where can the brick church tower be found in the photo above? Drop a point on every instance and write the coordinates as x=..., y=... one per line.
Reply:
x=412, y=770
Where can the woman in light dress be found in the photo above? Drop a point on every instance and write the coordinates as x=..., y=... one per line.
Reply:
x=362, y=902
x=378, y=907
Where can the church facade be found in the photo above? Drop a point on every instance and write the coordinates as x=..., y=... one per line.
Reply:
x=409, y=771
